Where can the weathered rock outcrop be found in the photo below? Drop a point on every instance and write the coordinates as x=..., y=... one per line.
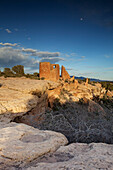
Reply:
x=76, y=156
x=24, y=147
x=31, y=102
x=20, y=95
x=63, y=107
x=20, y=144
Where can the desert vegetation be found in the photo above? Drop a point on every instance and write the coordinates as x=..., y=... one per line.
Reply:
x=18, y=71
x=86, y=120
x=107, y=85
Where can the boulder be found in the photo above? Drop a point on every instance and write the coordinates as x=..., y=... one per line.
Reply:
x=109, y=93
x=21, y=143
x=76, y=156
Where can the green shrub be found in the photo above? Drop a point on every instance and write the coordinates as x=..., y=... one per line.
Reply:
x=36, y=74
x=80, y=81
x=56, y=104
x=18, y=70
x=81, y=101
x=107, y=85
x=8, y=72
x=39, y=94
x=31, y=76
x=42, y=78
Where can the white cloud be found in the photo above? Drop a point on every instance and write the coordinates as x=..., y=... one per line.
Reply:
x=73, y=54
x=46, y=54
x=69, y=68
x=29, y=50
x=8, y=31
x=52, y=60
x=9, y=44
x=11, y=56
x=81, y=58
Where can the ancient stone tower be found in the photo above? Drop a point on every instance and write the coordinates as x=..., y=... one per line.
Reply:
x=52, y=71
x=49, y=71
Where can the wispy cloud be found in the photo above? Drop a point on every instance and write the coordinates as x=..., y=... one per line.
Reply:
x=67, y=55
x=8, y=44
x=108, y=68
x=52, y=60
x=81, y=58
x=41, y=54
x=46, y=54
x=69, y=69
x=107, y=56
x=8, y=31
x=87, y=74
x=74, y=54
x=29, y=50
x=74, y=57
x=11, y=55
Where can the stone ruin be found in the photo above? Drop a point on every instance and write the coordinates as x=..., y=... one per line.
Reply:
x=52, y=71
x=64, y=73
x=86, y=83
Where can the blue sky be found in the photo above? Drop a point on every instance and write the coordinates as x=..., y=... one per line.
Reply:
x=75, y=33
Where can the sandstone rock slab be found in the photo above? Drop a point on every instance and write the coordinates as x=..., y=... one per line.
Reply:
x=20, y=143
x=20, y=95
x=77, y=156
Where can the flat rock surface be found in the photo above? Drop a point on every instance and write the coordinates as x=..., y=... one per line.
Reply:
x=76, y=156
x=26, y=85
x=20, y=143
x=19, y=95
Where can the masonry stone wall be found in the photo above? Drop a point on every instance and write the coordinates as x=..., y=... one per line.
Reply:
x=44, y=70
x=52, y=71
x=86, y=83
x=49, y=71
x=64, y=73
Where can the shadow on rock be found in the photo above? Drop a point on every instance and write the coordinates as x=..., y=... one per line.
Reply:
x=85, y=121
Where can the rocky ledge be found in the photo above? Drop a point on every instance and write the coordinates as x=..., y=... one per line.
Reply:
x=33, y=102
x=24, y=147
x=20, y=95
x=20, y=144
x=76, y=156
